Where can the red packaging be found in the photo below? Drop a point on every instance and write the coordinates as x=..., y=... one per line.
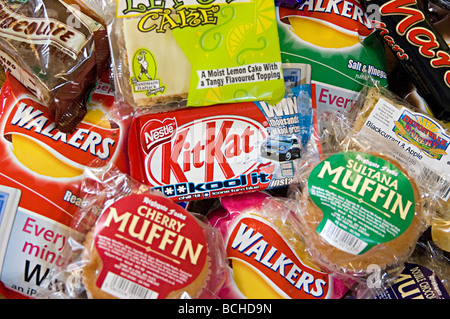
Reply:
x=267, y=257
x=216, y=151
x=41, y=170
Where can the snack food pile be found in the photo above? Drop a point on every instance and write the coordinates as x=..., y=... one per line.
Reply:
x=224, y=149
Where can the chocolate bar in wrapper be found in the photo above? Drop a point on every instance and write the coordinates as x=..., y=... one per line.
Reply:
x=55, y=51
x=221, y=150
x=291, y=4
x=420, y=49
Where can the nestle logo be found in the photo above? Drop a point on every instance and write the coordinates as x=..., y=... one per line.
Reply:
x=156, y=132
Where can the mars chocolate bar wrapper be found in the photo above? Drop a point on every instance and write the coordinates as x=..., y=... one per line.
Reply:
x=419, y=48
x=221, y=150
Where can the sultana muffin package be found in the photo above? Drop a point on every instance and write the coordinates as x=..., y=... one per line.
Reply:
x=363, y=206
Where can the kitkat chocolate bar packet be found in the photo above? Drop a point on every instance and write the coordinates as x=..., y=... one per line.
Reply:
x=41, y=169
x=223, y=149
x=195, y=53
x=56, y=51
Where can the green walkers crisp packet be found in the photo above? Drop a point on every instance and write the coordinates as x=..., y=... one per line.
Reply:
x=339, y=42
x=365, y=199
x=196, y=53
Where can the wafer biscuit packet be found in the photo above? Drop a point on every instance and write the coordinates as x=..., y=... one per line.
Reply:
x=57, y=52
x=180, y=53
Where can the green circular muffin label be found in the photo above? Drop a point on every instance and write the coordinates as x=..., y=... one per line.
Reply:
x=365, y=200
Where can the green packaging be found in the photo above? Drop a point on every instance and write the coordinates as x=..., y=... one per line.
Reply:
x=365, y=200
x=196, y=53
x=339, y=42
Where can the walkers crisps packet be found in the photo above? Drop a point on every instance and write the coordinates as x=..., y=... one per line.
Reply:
x=195, y=53
x=266, y=256
x=40, y=174
x=338, y=41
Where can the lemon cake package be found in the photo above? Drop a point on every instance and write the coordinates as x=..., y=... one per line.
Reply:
x=338, y=41
x=267, y=258
x=194, y=53
x=40, y=172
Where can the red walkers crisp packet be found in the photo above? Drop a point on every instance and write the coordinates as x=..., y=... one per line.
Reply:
x=40, y=173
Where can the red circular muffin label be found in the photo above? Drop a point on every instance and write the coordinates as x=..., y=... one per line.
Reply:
x=149, y=247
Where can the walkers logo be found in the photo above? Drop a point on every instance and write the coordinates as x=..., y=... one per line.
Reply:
x=424, y=133
x=262, y=259
x=38, y=145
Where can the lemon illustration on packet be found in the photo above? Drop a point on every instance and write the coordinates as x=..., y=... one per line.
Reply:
x=195, y=53
x=236, y=56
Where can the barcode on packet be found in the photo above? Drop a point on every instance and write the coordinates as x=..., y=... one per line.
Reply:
x=126, y=289
x=444, y=190
x=342, y=239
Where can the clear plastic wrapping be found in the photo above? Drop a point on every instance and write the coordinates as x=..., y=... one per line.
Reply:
x=57, y=52
x=176, y=54
x=267, y=257
x=131, y=242
x=364, y=205
x=426, y=275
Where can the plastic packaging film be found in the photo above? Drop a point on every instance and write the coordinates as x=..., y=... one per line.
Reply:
x=247, y=149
